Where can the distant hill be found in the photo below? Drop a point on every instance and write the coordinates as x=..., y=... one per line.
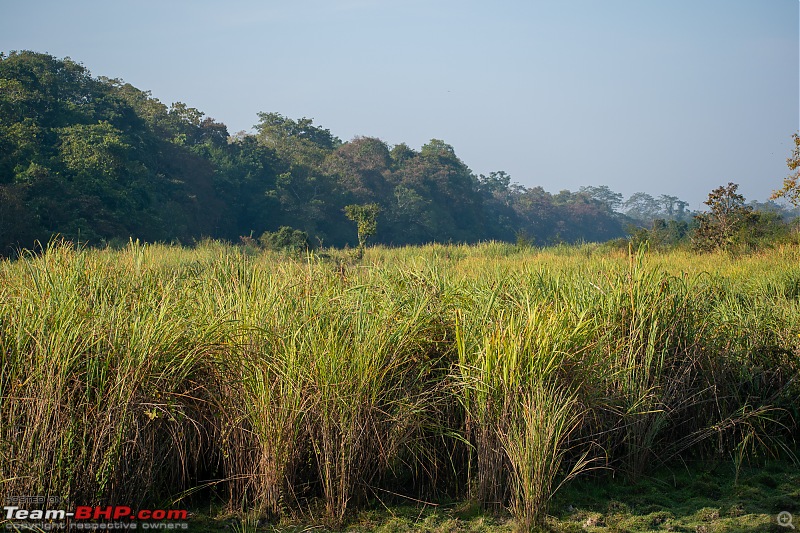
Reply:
x=98, y=160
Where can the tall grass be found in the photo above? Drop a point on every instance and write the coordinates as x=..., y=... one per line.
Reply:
x=369, y=360
x=101, y=380
x=495, y=372
x=536, y=444
x=519, y=375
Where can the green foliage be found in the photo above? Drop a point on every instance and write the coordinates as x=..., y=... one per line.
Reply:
x=645, y=209
x=604, y=195
x=720, y=227
x=295, y=140
x=363, y=168
x=285, y=239
x=366, y=219
x=791, y=184
x=94, y=151
x=763, y=229
x=642, y=206
x=94, y=159
x=98, y=160
x=662, y=235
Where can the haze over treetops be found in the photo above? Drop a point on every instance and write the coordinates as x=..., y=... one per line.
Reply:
x=98, y=160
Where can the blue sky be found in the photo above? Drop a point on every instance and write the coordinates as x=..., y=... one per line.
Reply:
x=661, y=96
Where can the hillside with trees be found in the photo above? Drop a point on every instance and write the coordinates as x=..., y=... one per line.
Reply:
x=98, y=161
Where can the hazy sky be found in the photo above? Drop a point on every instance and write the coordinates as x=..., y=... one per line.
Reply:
x=660, y=96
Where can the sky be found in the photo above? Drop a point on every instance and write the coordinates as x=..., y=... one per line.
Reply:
x=660, y=96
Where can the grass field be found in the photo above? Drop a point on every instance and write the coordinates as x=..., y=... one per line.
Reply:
x=700, y=497
x=314, y=389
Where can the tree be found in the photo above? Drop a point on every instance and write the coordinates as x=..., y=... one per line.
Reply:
x=498, y=198
x=402, y=153
x=308, y=196
x=94, y=152
x=245, y=179
x=603, y=194
x=454, y=203
x=537, y=214
x=668, y=204
x=409, y=216
x=662, y=234
x=673, y=207
x=362, y=168
x=728, y=215
x=642, y=207
x=296, y=139
x=791, y=184
x=495, y=184
x=98, y=159
x=365, y=216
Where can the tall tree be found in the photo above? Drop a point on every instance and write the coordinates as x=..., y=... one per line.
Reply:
x=451, y=190
x=604, y=195
x=791, y=184
x=728, y=214
x=537, y=214
x=642, y=207
x=362, y=167
x=306, y=191
x=298, y=140
x=673, y=207
x=498, y=197
x=99, y=159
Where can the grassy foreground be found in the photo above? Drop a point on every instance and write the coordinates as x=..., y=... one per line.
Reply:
x=707, y=497
x=316, y=387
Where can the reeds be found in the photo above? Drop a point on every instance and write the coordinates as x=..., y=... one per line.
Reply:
x=492, y=372
x=519, y=382
x=101, y=380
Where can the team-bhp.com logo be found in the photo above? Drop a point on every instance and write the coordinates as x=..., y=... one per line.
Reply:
x=85, y=517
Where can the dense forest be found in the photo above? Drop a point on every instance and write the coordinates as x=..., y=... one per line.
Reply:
x=99, y=161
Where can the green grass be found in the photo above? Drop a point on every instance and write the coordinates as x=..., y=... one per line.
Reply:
x=684, y=497
x=681, y=497
x=312, y=387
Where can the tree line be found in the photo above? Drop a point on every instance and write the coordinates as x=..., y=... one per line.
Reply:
x=99, y=161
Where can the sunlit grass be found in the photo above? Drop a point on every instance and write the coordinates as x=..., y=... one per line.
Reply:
x=317, y=384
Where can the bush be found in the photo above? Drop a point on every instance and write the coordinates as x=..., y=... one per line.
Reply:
x=286, y=239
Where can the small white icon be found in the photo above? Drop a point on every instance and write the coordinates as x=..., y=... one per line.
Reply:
x=785, y=519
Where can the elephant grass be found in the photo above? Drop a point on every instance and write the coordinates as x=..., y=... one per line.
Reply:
x=493, y=372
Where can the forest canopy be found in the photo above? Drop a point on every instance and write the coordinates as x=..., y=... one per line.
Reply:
x=97, y=160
